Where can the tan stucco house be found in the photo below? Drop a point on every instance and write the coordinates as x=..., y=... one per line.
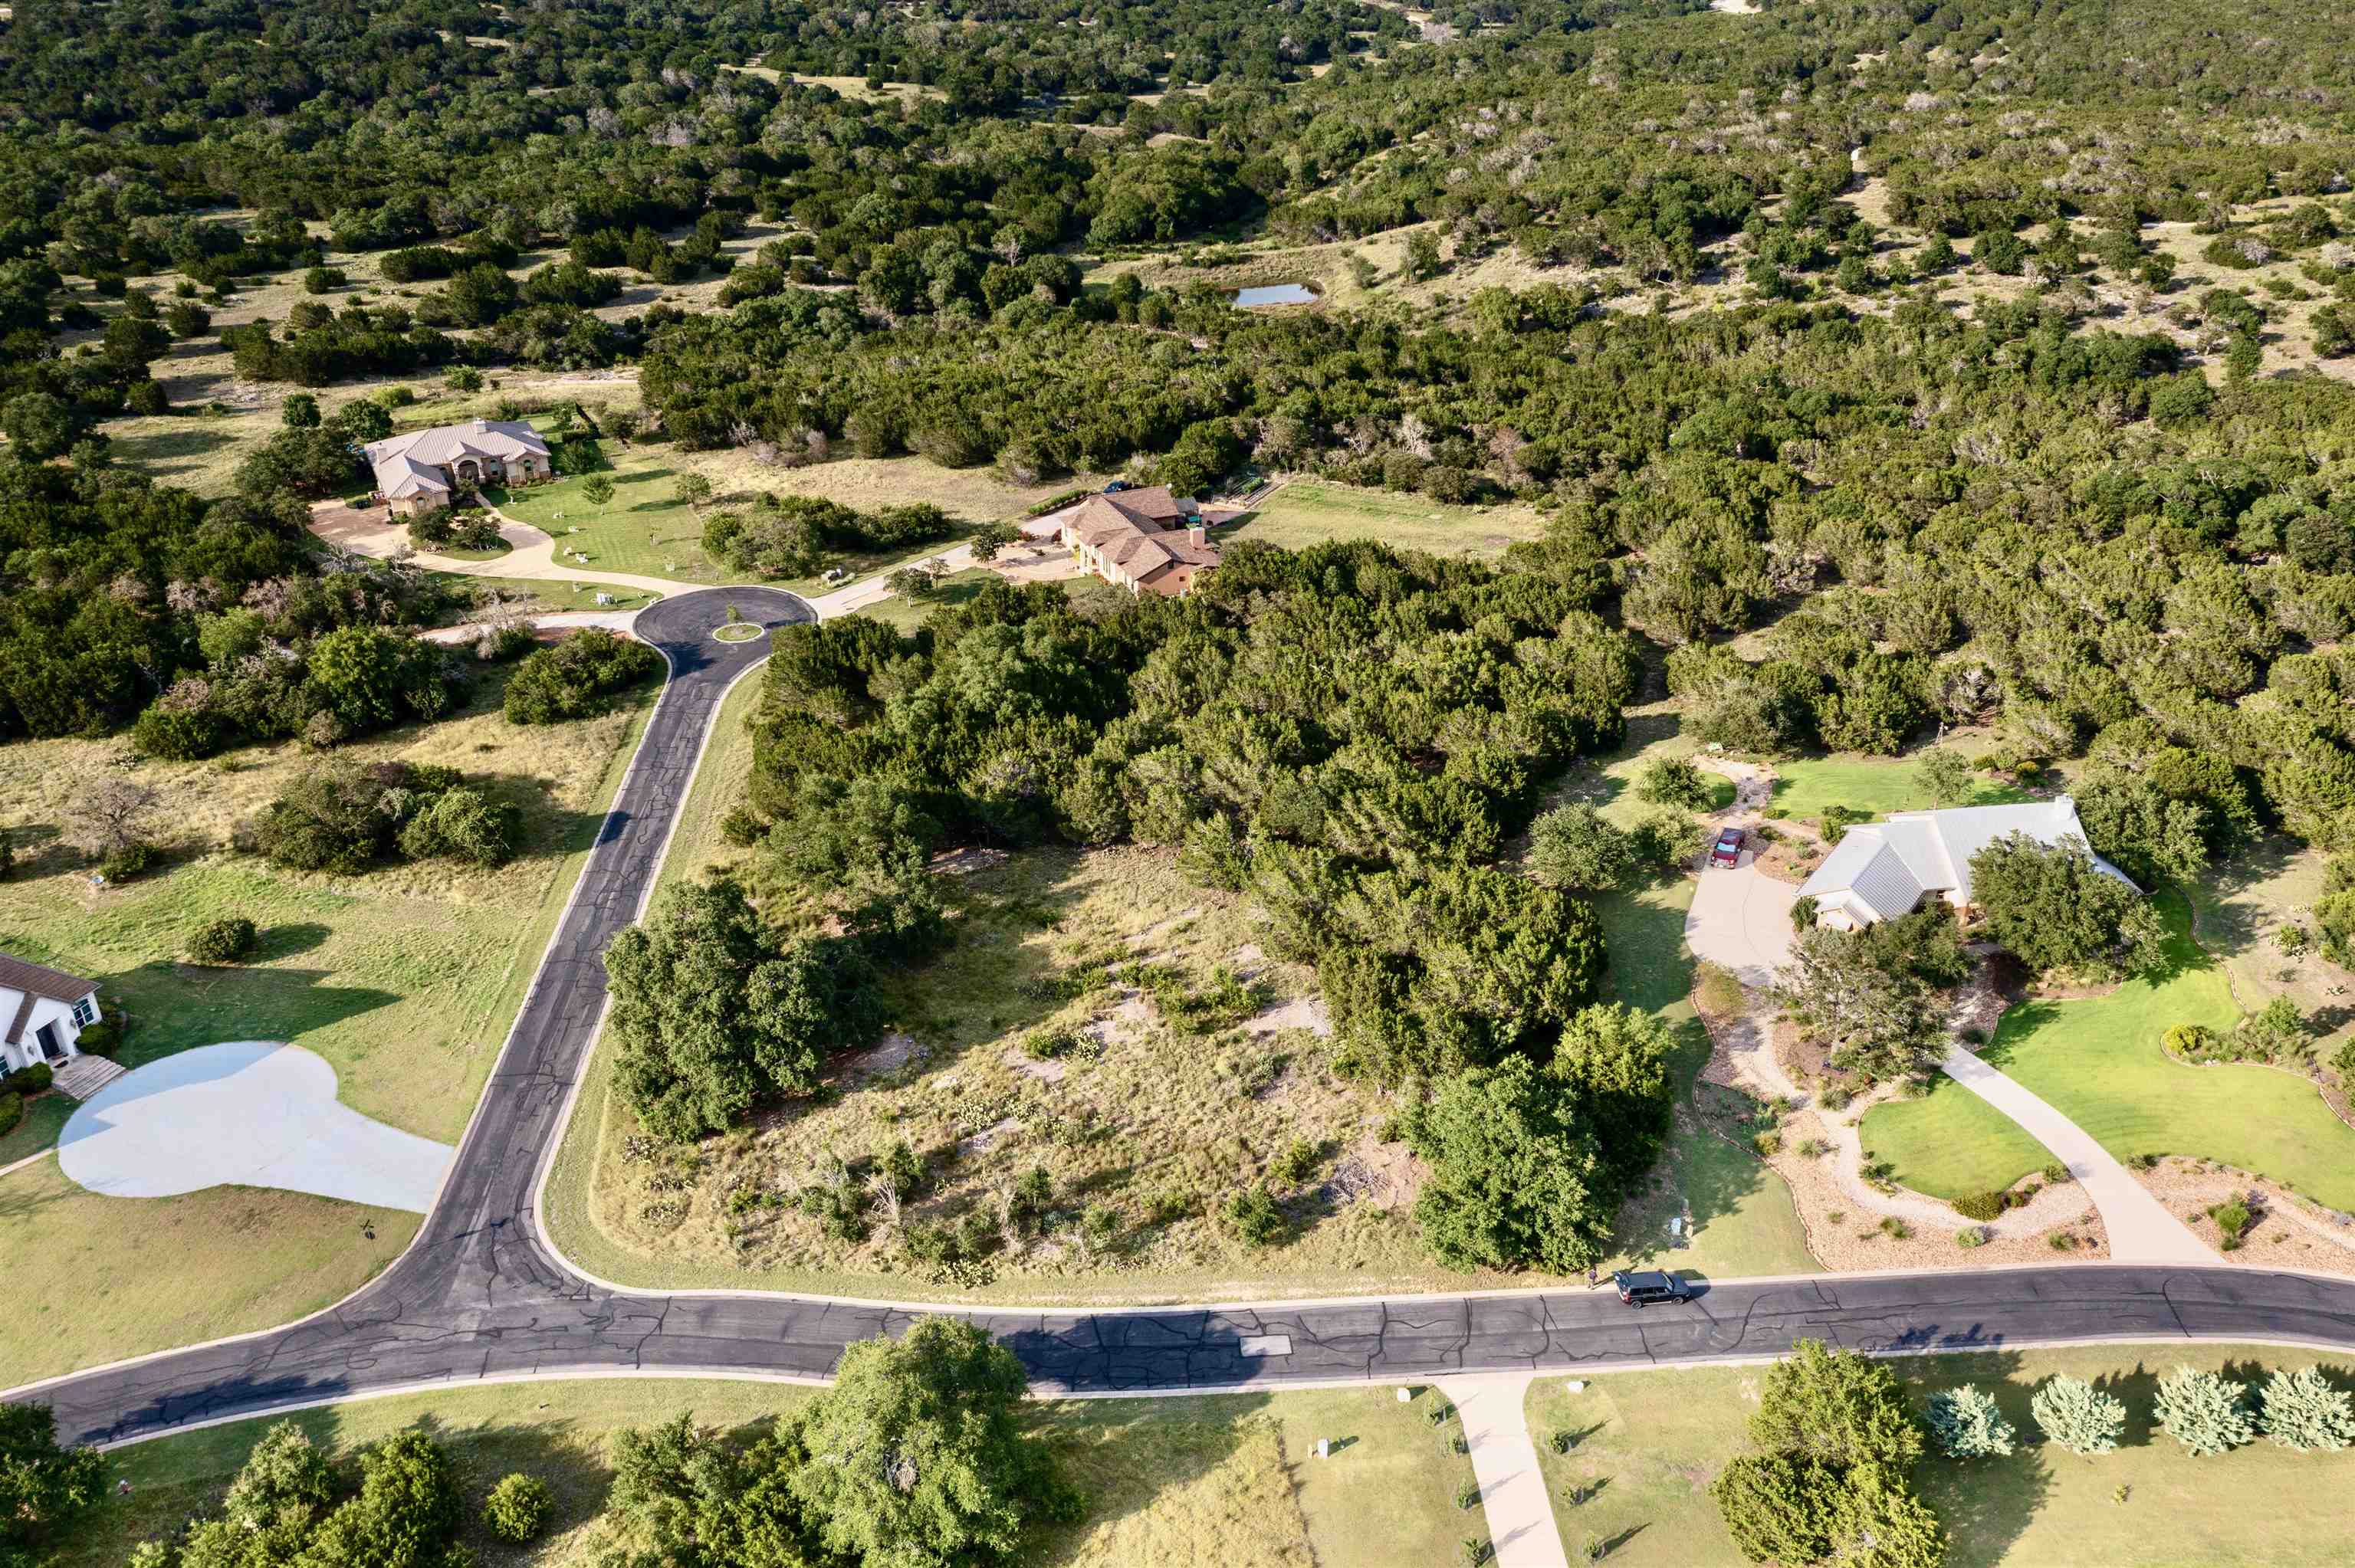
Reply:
x=425, y=470
x=1146, y=540
x=42, y=1012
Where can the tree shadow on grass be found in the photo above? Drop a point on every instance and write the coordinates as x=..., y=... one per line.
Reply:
x=289, y=938
x=2230, y=923
x=174, y=1009
x=1127, y=1454
x=1987, y=1503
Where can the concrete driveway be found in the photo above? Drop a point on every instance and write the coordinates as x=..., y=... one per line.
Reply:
x=251, y=1114
x=1741, y=920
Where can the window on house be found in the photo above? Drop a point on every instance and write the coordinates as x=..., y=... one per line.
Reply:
x=85, y=1013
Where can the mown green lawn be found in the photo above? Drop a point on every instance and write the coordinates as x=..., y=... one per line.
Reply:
x=1169, y=1483
x=1950, y=1143
x=1805, y=788
x=2098, y=1060
x=644, y=529
x=1310, y=511
x=1652, y=1442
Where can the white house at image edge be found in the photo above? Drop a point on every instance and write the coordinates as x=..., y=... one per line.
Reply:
x=45, y=1012
x=423, y=470
x=1882, y=870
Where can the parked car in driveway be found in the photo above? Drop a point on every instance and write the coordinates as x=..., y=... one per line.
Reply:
x=1727, y=851
x=1644, y=1289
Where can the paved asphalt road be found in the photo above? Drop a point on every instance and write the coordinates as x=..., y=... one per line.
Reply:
x=478, y=1294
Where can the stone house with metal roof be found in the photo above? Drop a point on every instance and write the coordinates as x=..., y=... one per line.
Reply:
x=426, y=470
x=1146, y=540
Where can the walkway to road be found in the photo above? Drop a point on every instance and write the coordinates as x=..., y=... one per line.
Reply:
x=2141, y=1229
x=1494, y=1412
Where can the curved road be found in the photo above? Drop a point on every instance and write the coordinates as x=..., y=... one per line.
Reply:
x=479, y=1293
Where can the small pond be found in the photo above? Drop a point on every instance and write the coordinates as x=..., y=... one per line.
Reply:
x=1274, y=294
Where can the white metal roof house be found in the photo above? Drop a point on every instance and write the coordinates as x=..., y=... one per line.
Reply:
x=42, y=1012
x=421, y=471
x=1882, y=870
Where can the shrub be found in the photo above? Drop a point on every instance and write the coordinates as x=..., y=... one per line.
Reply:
x=517, y=1508
x=128, y=861
x=1674, y=781
x=12, y=1111
x=1834, y=1097
x=1965, y=1422
x=1297, y=1162
x=2204, y=1412
x=2232, y=1217
x=2192, y=1041
x=1971, y=1236
x=31, y=1080
x=2302, y=1411
x=1894, y=1228
x=1979, y=1205
x=2055, y=1173
x=2077, y=1415
x=1768, y=1144
x=222, y=941
x=1253, y=1216
x=1046, y=1045
x=101, y=1039
x=464, y=824
x=566, y=681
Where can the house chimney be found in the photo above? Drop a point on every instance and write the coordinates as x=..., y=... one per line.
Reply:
x=1197, y=535
x=482, y=427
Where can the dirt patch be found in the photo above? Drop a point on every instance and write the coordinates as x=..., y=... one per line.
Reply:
x=1301, y=1013
x=892, y=1053
x=966, y=862
x=2284, y=1231
x=1046, y=1071
x=980, y=1142
x=1386, y=1175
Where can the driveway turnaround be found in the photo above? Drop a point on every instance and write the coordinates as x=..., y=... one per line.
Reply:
x=254, y=1114
x=1741, y=920
x=480, y=1294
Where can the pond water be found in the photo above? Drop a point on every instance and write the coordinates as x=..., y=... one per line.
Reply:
x=1274, y=294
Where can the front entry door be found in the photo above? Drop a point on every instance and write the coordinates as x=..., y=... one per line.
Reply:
x=48, y=1036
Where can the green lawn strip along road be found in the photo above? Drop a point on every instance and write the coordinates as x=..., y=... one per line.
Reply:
x=1652, y=1442
x=1742, y=1218
x=1232, y=1481
x=408, y=997
x=1806, y=787
x=2099, y=1062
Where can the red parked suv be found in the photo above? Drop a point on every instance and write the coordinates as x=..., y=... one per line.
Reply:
x=1727, y=851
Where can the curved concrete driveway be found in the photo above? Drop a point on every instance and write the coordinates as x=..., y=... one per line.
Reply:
x=1741, y=920
x=480, y=1295
x=256, y=1113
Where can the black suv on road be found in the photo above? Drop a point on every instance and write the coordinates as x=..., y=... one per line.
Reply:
x=1640, y=1289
